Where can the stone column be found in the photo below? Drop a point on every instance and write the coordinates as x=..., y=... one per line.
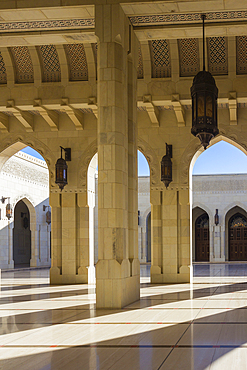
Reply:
x=184, y=236
x=117, y=276
x=217, y=243
x=69, y=230
x=56, y=238
x=82, y=237
x=132, y=163
x=156, y=236
x=171, y=237
x=10, y=244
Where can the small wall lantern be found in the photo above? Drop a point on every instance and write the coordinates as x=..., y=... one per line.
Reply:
x=47, y=215
x=61, y=168
x=8, y=210
x=166, y=166
x=216, y=217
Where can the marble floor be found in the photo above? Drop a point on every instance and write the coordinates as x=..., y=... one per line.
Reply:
x=184, y=326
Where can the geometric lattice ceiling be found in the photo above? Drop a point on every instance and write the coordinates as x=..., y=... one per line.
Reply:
x=217, y=55
x=77, y=62
x=189, y=57
x=50, y=66
x=160, y=58
x=140, y=64
x=23, y=65
x=3, y=73
x=241, y=48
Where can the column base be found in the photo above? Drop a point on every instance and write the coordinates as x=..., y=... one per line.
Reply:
x=218, y=259
x=56, y=278
x=117, y=284
x=170, y=278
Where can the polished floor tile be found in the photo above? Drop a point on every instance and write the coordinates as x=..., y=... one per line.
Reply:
x=178, y=326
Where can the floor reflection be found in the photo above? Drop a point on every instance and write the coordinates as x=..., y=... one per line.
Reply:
x=183, y=326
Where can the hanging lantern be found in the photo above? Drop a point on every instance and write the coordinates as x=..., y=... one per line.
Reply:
x=204, y=94
x=61, y=168
x=166, y=166
x=48, y=217
x=8, y=211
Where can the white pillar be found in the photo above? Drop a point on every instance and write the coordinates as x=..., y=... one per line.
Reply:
x=10, y=244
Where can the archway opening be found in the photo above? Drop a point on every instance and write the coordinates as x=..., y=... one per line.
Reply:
x=217, y=178
x=92, y=195
x=25, y=231
x=144, y=215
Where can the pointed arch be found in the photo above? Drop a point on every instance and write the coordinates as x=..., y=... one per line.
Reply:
x=84, y=162
x=13, y=143
x=142, y=146
x=32, y=214
x=194, y=149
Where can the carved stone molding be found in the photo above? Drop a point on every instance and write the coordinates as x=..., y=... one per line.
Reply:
x=37, y=145
x=24, y=197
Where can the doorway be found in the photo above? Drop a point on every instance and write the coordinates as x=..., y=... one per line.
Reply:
x=21, y=236
x=238, y=238
x=202, y=238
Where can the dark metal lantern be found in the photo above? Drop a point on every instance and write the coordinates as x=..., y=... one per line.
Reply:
x=204, y=94
x=166, y=166
x=216, y=217
x=48, y=217
x=61, y=168
x=8, y=211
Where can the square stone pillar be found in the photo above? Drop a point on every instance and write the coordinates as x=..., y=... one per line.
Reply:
x=156, y=236
x=117, y=269
x=70, y=239
x=170, y=236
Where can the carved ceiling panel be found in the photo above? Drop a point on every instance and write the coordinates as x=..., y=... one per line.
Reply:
x=76, y=56
x=140, y=72
x=3, y=72
x=217, y=55
x=160, y=58
x=188, y=57
x=241, y=55
x=50, y=66
x=22, y=64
